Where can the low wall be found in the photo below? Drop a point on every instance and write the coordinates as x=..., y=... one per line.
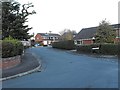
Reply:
x=7, y=63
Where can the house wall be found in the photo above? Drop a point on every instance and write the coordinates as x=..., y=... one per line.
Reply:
x=83, y=42
x=38, y=38
x=86, y=42
x=116, y=40
x=118, y=33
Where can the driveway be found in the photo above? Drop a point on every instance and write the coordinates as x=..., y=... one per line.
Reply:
x=67, y=69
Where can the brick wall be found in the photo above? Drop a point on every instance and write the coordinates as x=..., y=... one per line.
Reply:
x=38, y=38
x=116, y=40
x=6, y=63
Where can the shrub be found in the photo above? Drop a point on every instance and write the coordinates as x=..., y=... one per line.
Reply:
x=11, y=47
x=19, y=48
x=0, y=48
x=68, y=45
x=118, y=50
x=7, y=49
x=84, y=48
x=109, y=49
x=26, y=47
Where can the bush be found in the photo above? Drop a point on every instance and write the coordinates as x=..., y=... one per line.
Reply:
x=7, y=49
x=0, y=48
x=11, y=47
x=108, y=49
x=84, y=48
x=68, y=45
x=26, y=47
x=19, y=48
x=118, y=50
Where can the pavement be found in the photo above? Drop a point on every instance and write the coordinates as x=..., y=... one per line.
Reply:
x=29, y=64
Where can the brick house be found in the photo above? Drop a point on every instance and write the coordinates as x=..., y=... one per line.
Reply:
x=46, y=37
x=87, y=35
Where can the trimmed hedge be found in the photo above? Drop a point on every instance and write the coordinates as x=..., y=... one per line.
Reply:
x=11, y=48
x=108, y=49
x=0, y=48
x=119, y=50
x=67, y=45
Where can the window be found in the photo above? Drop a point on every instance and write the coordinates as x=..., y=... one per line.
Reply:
x=56, y=38
x=75, y=42
x=44, y=37
x=79, y=42
x=51, y=37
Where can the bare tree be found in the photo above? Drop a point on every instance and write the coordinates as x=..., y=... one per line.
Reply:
x=67, y=34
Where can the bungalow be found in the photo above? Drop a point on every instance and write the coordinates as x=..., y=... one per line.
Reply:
x=46, y=37
x=87, y=35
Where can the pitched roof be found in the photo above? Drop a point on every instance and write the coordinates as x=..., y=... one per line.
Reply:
x=115, y=25
x=87, y=33
x=48, y=34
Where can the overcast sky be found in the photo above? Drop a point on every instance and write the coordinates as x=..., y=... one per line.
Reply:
x=56, y=15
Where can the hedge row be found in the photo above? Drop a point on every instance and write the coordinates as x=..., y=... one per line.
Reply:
x=11, y=48
x=108, y=49
x=0, y=48
x=68, y=45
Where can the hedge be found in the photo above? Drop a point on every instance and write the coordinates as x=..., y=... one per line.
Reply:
x=68, y=45
x=11, y=48
x=108, y=49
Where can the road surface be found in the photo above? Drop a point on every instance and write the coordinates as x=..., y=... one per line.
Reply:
x=67, y=69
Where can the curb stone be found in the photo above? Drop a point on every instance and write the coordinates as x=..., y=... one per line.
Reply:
x=37, y=69
x=22, y=74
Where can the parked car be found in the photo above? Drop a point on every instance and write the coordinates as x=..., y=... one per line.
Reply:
x=36, y=45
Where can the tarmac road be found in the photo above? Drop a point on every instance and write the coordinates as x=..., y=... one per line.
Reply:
x=64, y=69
